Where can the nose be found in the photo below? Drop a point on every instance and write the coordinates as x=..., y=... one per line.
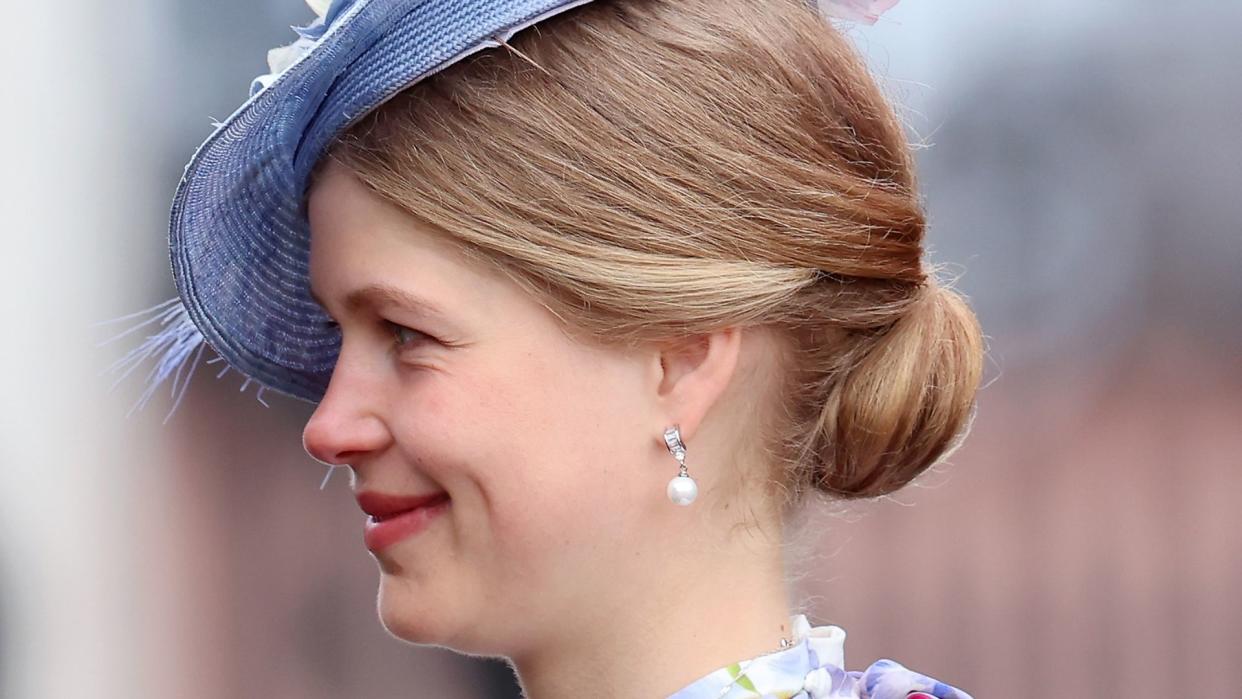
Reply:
x=347, y=424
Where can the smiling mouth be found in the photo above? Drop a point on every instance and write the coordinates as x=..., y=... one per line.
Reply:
x=381, y=532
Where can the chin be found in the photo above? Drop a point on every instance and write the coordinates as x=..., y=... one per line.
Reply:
x=407, y=612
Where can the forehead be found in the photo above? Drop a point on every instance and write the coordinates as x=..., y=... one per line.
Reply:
x=365, y=249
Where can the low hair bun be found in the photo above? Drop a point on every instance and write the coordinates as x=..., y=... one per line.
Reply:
x=901, y=404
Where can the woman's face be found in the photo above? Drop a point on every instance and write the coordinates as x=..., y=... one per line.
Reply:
x=550, y=451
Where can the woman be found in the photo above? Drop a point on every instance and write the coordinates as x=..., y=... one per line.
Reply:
x=590, y=318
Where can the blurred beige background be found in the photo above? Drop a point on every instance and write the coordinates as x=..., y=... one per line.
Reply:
x=1082, y=176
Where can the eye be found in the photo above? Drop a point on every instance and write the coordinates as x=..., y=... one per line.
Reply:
x=404, y=336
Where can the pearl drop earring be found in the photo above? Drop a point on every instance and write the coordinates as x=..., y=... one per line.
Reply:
x=681, y=489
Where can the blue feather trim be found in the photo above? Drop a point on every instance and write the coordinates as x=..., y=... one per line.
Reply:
x=174, y=350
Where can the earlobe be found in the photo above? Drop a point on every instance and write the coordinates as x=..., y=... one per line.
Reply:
x=695, y=373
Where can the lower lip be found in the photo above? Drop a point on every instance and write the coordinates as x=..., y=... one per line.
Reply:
x=380, y=535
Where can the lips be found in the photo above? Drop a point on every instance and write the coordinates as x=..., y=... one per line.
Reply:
x=397, y=517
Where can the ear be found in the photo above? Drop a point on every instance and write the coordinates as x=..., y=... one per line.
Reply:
x=694, y=372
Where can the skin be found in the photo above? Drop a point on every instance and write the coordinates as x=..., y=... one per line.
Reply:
x=559, y=550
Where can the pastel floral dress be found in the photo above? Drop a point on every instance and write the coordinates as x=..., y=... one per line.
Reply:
x=812, y=668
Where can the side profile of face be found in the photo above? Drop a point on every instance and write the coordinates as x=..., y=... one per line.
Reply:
x=549, y=450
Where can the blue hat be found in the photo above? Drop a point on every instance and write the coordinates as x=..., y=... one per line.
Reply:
x=239, y=238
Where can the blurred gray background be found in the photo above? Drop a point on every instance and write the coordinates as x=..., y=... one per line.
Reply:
x=1082, y=167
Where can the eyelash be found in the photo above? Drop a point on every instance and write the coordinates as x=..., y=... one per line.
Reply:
x=394, y=328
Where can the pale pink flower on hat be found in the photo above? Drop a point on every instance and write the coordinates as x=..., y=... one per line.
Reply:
x=860, y=10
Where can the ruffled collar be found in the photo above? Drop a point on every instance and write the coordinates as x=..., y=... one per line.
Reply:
x=813, y=668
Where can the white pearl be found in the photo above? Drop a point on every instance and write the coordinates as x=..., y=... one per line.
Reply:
x=682, y=490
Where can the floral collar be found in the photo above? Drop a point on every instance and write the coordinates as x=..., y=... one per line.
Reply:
x=813, y=669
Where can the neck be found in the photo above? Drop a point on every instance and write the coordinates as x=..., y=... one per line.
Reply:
x=715, y=607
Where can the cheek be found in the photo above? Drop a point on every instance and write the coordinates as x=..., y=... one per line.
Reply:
x=607, y=484
x=554, y=443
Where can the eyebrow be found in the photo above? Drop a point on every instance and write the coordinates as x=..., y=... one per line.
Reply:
x=377, y=295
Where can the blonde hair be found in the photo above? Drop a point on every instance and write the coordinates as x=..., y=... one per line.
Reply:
x=650, y=169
